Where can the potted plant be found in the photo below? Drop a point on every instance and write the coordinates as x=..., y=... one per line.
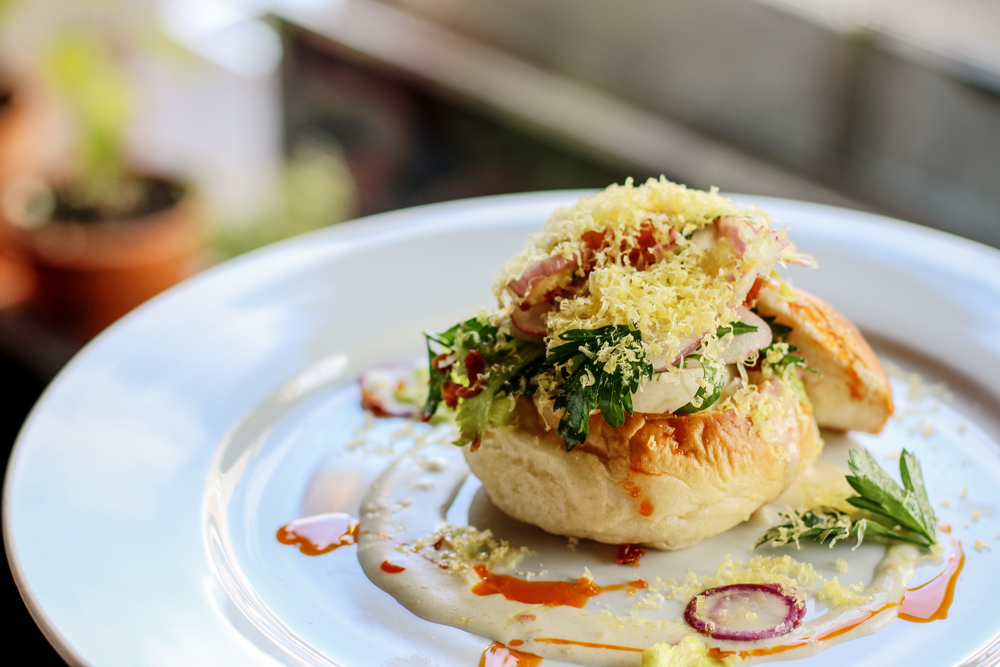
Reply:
x=103, y=236
x=16, y=156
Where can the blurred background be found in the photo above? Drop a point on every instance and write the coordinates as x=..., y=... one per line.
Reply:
x=142, y=141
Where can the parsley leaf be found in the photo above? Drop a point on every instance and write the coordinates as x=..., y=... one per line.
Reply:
x=880, y=495
x=736, y=328
x=889, y=511
x=779, y=353
x=602, y=368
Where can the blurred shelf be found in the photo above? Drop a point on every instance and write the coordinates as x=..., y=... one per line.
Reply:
x=880, y=106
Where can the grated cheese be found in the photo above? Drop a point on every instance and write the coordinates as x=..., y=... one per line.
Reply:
x=686, y=293
x=782, y=570
x=688, y=652
x=460, y=547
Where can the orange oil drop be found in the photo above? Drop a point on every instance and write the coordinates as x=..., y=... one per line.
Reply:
x=498, y=655
x=391, y=568
x=320, y=534
x=930, y=602
x=572, y=642
x=551, y=593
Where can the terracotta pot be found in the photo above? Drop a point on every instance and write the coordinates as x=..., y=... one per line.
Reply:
x=29, y=147
x=90, y=274
x=30, y=135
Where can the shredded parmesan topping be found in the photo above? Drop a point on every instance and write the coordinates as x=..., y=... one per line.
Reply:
x=689, y=652
x=680, y=290
x=785, y=571
x=460, y=547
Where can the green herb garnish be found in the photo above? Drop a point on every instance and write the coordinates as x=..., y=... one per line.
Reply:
x=714, y=374
x=602, y=369
x=473, y=368
x=879, y=494
x=736, y=328
x=779, y=354
x=779, y=331
x=886, y=509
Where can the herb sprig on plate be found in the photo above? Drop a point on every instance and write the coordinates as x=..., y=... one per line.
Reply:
x=884, y=508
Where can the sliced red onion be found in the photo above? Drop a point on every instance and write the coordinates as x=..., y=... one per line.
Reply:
x=731, y=227
x=741, y=233
x=743, y=345
x=688, y=345
x=533, y=276
x=531, y=321
x=744, y=612
x=382, y=389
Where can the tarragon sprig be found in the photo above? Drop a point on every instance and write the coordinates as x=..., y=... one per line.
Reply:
x=887, y=510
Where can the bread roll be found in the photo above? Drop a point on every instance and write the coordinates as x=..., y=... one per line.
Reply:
x=850, y=390
x=660, y=480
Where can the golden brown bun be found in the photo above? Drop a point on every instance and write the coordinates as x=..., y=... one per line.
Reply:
x=851, y=390
x=664, y=481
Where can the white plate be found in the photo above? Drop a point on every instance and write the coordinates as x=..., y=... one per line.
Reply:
x=143, y=496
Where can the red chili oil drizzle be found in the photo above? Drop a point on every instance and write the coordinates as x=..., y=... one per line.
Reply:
x=551, y=593
x=630, y=588
x=320, y=534
x=931, y=601
x=571, y=642
x=629, y=554
x=498, y=655
x=391, y=568
x=644, y=508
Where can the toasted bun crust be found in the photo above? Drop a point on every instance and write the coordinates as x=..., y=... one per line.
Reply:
x=850, y=390
x=661, y=480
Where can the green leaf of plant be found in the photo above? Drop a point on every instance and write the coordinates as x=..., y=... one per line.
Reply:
x=475, y=414
x=505, y=359
x=705, y=397
x=913, y=481
x=736, y=328
x=897, y=513
x=880, y=492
